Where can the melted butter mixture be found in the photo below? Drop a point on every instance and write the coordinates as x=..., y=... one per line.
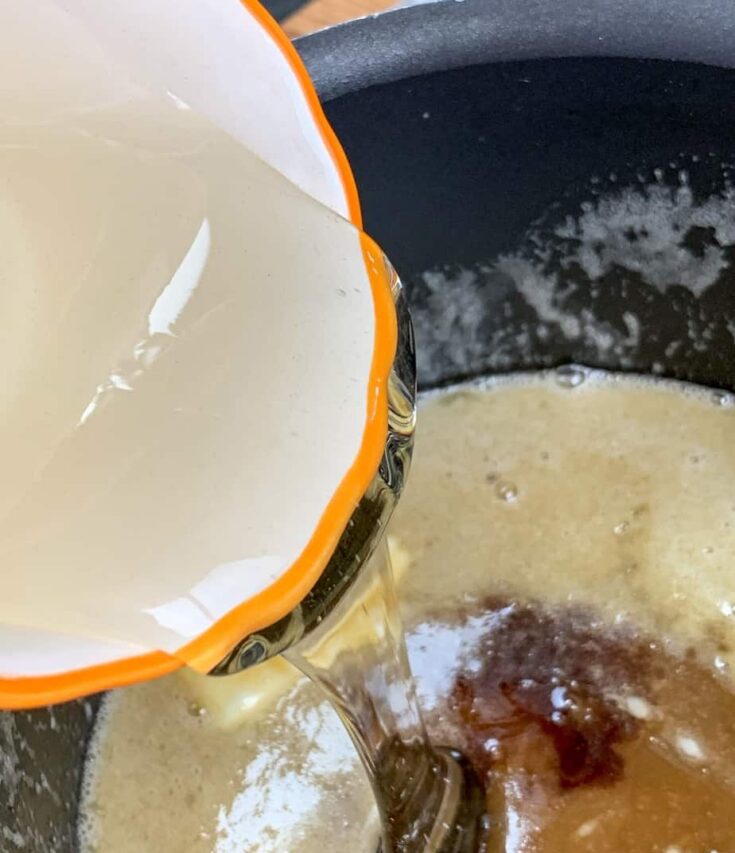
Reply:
x=564, y=556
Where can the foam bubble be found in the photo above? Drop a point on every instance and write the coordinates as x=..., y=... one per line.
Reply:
x=570, y=376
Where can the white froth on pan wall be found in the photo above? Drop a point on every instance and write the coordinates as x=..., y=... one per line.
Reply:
x=639, y=229
x=36, y=798
x=15, y=777
x=660, y=217
x=12, y=777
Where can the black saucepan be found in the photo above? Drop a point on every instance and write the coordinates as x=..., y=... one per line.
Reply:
x=552, y=180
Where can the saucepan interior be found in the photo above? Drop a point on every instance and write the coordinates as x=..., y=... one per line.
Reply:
x=540, y=211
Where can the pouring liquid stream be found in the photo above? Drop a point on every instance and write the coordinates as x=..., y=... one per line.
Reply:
x=429, y=800
x=133, y=475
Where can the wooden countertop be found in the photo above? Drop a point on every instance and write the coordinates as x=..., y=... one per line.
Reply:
x=323, y=13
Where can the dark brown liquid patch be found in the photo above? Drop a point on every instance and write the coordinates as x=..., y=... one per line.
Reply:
x=596, y=738
x=554, y=673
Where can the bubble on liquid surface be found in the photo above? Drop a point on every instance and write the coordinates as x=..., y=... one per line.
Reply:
x=570, y=376
x=689, y=747
x=722, y=398
x=506, y=491
x=721, y=664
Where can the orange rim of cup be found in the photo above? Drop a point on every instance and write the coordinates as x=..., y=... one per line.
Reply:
x=277, y=600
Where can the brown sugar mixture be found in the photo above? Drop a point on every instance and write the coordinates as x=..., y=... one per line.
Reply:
x=596, y=740
x=565, y=555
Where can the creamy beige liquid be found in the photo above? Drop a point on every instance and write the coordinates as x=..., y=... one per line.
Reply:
x=168, y=309
x=602, y=719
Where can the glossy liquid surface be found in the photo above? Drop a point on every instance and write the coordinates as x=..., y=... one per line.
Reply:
x=564, y=573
